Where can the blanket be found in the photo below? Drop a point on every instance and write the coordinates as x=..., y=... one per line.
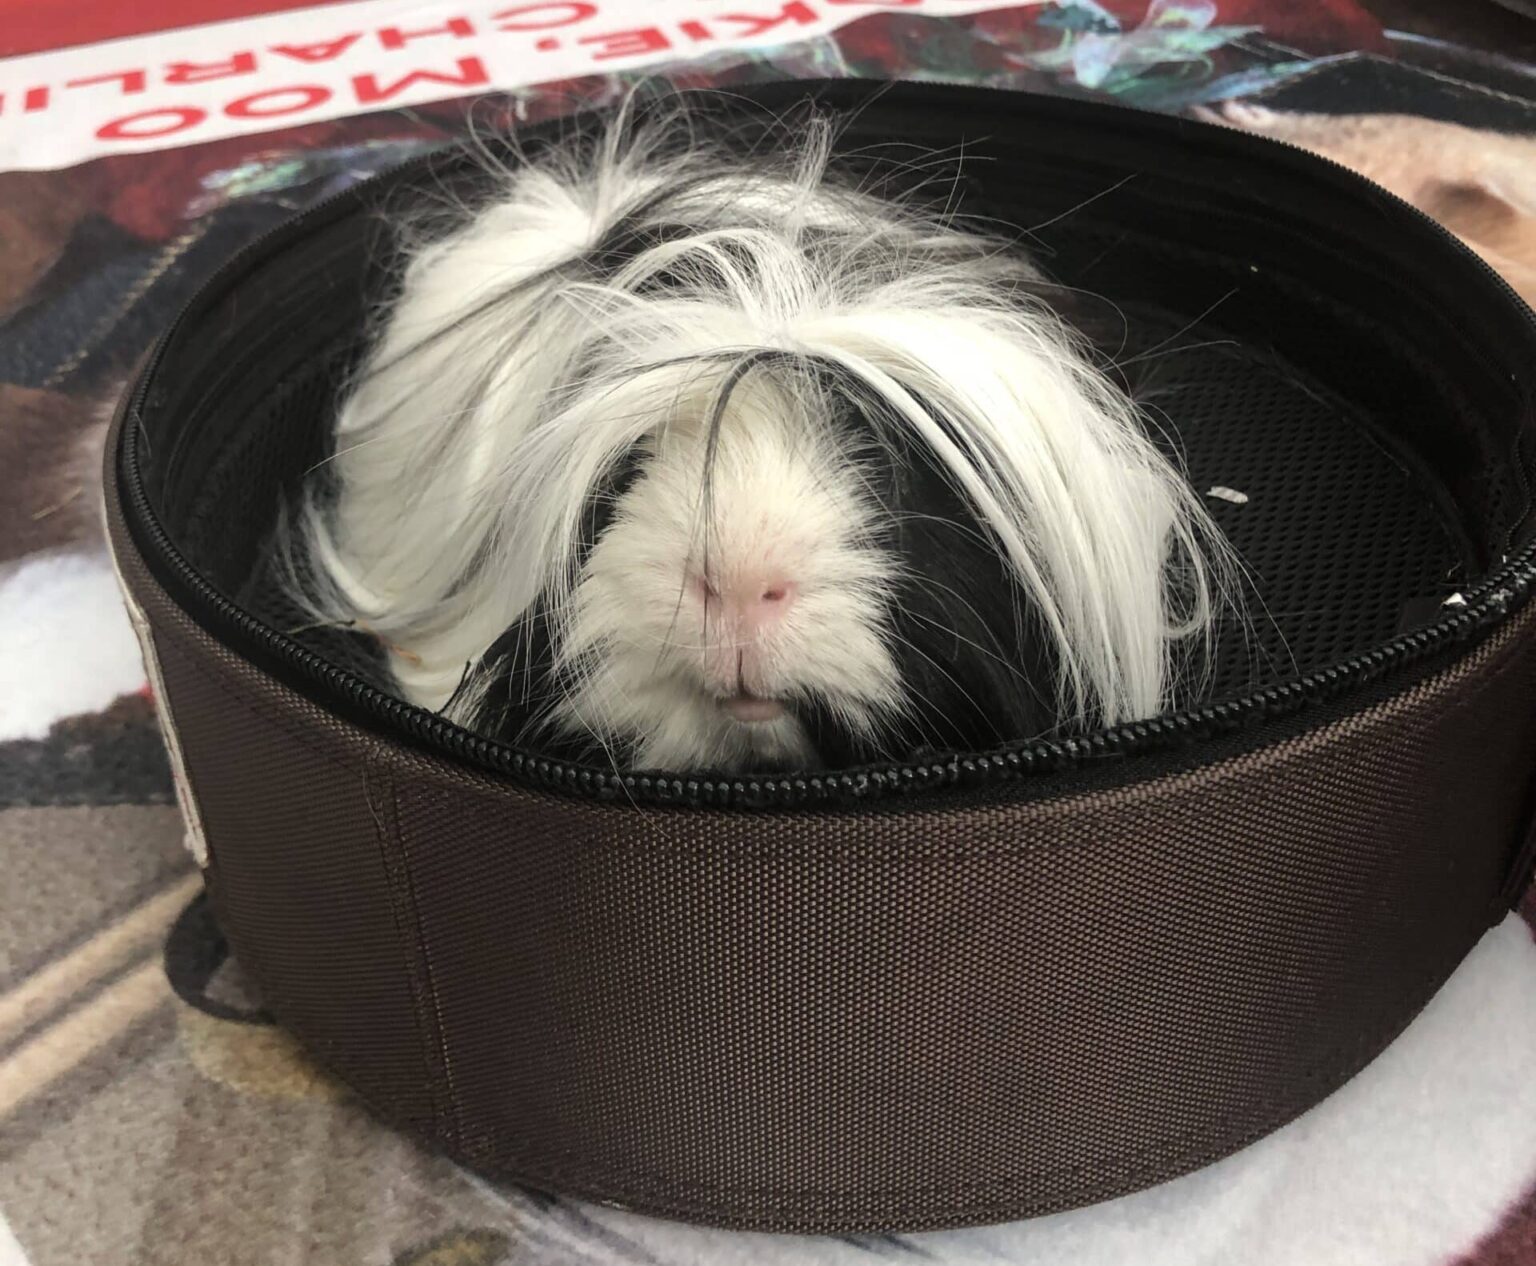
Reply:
x=150, y=1110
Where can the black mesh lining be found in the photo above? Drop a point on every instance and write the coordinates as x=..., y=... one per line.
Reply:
x=1342, y=540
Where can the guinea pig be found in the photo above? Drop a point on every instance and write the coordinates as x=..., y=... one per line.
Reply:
x=672, y=456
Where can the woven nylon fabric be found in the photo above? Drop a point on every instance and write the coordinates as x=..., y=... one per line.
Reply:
x=309, y=908
x=918, y=1017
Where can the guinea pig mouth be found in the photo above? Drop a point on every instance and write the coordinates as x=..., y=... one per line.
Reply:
x=751, y=709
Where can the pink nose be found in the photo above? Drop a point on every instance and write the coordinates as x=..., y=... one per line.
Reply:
x=750, y=604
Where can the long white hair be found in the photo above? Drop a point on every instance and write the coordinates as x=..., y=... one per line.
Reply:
x=531, y=347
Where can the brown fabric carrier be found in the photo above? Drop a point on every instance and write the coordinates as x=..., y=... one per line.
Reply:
x=974, y=1004
x=913, y=1016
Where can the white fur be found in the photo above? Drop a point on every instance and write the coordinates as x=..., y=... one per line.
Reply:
x=465, y=455
x=66, y=646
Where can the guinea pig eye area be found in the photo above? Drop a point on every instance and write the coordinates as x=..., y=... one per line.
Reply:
x=975, y=661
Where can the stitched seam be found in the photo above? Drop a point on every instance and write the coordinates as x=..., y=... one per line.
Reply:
x=191, y=657
x=410, y=929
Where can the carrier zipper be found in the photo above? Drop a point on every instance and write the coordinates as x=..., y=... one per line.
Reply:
x=1503, y=593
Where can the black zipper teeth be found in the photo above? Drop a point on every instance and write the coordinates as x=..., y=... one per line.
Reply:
x=1503, y=593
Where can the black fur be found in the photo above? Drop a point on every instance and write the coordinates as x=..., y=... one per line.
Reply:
x=975, y=669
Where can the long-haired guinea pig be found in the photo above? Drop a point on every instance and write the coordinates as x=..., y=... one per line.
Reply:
x=671, y=457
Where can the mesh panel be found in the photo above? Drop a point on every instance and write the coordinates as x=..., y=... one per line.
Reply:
x=1339, y=535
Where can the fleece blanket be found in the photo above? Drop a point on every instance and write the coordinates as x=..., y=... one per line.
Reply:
x=150, y=1112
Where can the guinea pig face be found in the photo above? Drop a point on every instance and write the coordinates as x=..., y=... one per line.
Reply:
x=739, y=583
